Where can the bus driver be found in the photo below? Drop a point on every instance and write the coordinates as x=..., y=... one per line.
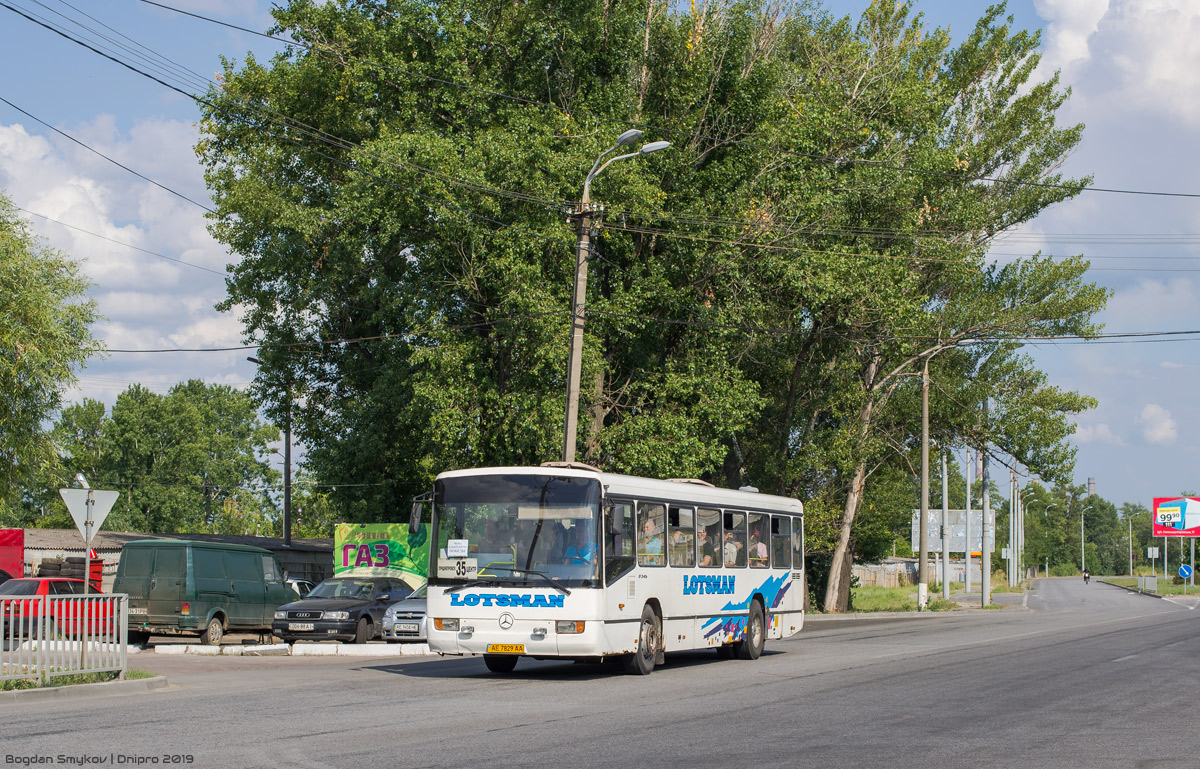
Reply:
x=582, y=550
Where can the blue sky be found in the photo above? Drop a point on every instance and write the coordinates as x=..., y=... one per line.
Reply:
x=1133, y=65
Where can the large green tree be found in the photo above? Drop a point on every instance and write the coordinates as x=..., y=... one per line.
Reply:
x=760, y=297
x=45, y=338
x=193, y=460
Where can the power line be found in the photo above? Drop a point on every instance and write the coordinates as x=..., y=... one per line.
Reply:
x=106, y=157
x=120, y=243
x=635, y=124
x=353, y=340
x=344, y=144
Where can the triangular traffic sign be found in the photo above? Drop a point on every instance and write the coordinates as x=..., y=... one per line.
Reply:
x=77, y=504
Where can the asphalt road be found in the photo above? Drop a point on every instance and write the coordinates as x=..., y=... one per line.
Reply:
x=1090, y=676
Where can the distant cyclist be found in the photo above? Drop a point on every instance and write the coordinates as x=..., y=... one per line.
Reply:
x=1087, y=576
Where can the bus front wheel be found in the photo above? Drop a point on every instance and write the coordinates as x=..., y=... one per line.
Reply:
x=751, y=646
x=642, y=661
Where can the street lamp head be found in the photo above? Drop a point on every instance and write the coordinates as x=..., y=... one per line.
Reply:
x=255, y=361
x=653, y=147
x=81, y=480
x=629, y=137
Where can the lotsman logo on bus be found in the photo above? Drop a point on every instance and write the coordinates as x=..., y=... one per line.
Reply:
x=714, y=585
x=512, y=599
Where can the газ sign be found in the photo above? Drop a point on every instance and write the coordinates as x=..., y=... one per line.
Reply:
x=1176, y=517
x=381, y=550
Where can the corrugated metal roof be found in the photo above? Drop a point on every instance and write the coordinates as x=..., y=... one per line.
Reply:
x=70, y=539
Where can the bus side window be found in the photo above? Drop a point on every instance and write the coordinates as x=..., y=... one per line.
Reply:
x=708, y=537
x=781, y=542
x=798, y=543
x=618, y=545
x=681, y=534
x=733, y=548
x=651, y=525
x=757, y=551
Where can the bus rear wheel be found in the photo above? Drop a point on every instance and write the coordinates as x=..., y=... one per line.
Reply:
x=500, y=663
x=642, y=661
x=751, y=645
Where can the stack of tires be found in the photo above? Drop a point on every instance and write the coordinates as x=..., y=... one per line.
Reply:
x=53, y=567
x=75, y=567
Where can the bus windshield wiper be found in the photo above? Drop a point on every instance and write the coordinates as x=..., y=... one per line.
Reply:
x=477, y=583
x=540, y=574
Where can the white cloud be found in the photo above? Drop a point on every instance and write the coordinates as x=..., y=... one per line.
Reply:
x=1127, y=54
x=1158, y=425
x=1072, y=22
x=1170, y=364
x=1100, y=433
x=147, y=300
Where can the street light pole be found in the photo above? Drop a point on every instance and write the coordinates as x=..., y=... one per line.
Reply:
x=584, y=218
x=923, y=528
x=1129, y=520
x=1082, y=544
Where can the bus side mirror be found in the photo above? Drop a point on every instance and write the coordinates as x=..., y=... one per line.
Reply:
x=414, y=518
x=614, y=523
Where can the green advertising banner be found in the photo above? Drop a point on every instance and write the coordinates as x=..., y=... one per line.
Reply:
x=381, y=550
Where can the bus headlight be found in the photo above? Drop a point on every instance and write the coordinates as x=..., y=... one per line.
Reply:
x=568, y=626
x=446, y=624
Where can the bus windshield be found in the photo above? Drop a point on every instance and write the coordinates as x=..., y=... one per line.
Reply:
x=516, y=529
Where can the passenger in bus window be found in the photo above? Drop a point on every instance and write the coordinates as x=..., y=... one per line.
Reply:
x=651, y=543
x=708, y=555
x=758, y=549
x=493, y=540
x=582, y=550
x=732, y=550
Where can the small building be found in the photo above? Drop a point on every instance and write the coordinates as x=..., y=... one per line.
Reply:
x=310, y=559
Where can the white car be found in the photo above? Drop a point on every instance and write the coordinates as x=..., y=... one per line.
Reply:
x=301, y=586
x=405, y=620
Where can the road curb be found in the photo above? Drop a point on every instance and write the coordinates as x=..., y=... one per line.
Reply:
x=1133, y=590
x=299, y=650
x=78, y=691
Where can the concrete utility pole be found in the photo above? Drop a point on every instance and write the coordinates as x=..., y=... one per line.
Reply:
x=1012, y=521
x=945, y=533
x=583, y=219
x=1129, y=520
x=967, y=555
x=986, y=559
x=923, y=528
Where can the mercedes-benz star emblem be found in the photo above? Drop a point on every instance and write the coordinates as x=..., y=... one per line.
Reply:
x=506, y=621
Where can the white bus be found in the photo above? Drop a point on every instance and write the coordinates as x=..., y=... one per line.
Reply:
x=564, y=561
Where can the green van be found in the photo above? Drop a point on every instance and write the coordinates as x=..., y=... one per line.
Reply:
x=180, y=587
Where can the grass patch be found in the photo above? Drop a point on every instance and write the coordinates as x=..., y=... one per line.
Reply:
x=72, y=680
x=1165, y=585
x=1001, y=587
x=942, y=604
x=869, y=599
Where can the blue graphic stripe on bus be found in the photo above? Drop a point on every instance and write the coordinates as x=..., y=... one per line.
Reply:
x=773, y=590
x=523, y=600
x=709, y=585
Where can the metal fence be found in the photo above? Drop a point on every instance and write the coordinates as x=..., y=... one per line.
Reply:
x=42, y=637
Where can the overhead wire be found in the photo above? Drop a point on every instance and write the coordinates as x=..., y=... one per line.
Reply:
x=642, y=125
x=487, y=189
x=344, y=144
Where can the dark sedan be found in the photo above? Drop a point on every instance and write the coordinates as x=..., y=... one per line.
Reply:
x=339, y=609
